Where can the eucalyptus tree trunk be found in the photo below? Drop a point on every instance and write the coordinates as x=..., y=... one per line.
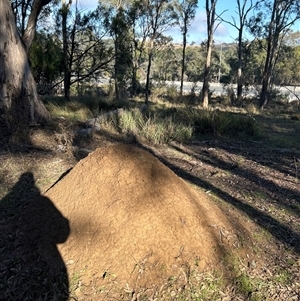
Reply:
x=206, y=76
x=67, y=73
x=211, y=17
x=272, y=52
x=240, y=65
x=268, y=69
x=244, y=9
x=118, y=75
x=183, y=59
x=283, y=14
x=186, y=10
x=19, y=100
x=29, y=32
x=147, y=87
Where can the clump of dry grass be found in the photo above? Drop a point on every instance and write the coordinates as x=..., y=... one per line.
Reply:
x=251, y=108
x=152, y=128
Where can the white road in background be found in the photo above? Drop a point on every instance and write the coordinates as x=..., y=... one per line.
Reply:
x=218, y=89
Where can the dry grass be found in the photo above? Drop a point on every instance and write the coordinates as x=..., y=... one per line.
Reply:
x=165, y=123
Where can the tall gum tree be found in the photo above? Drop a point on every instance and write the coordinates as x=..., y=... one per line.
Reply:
x=273, y=22
x=65, y=8
x=160, y=18
x=185, y=11
x=244, y=7
x=19, y=102
x=210, y=6
x=120, y=28
x=86, y=52
x=137, y=17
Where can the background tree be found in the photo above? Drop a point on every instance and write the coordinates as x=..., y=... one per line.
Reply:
x=226, y=75
x=210, y=7
x=287, y=68
x=166, y=64
x=19, y=100
x=254, y=56
x=120, y=30
x=272, y=22
x=218, y=62
x=185, y=11
x=160, y=18
x=140, y=31
x=195, y=60
x=21, y=10
x=86, y=49
x=283, y=70
x=46, y=59
x=65, y=9
x=27, y=12
x=244, y=7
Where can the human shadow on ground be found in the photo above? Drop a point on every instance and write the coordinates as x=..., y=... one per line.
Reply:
x=31, y=267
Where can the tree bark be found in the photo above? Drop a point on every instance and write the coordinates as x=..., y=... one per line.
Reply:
x=210, y=22
x=206, y=75
x=147, y=88
x=67, y=73
x=117, y=69
x=206, y=80
x=242, y=13
x=29, y=32
x=183, y=57
x=240, y=64
x=280, y=21
x=268, y=69
x=19, y=100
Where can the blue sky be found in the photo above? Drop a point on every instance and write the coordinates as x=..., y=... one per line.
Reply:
x=197, y=31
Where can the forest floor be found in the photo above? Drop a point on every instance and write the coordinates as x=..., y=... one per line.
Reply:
x=257, y=180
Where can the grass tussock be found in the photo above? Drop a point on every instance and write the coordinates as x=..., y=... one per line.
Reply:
x=154, y=128
x=161, y=124
x=224, y=124
x=73, y=111
x=181, y=124
x=80, y=108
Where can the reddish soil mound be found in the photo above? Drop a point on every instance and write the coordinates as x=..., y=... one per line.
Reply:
x=134, y=222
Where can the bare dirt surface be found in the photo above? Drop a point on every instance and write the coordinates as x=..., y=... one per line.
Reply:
x=123, y=224
x=262, y=185
x=136, y=222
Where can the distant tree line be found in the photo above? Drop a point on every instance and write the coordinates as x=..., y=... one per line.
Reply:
x=127, y=41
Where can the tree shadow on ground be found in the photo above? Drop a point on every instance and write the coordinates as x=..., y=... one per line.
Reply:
x=249, y=181
x=281, y=232
x=31, y=267
x=271, y=140
x=278, y=193
x=19, y=140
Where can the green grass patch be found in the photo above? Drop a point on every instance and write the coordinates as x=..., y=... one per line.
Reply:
x=80, y=108
x=283, y=277
x=280, y=131
x=226, y=124
x=154, y=128
x=165, y=122
x=161, y=124
x=73, y=111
